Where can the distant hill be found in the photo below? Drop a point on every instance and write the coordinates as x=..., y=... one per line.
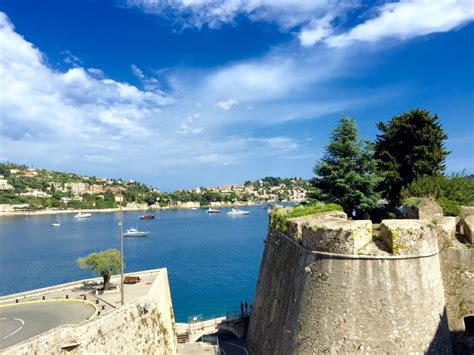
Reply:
x=37, y=189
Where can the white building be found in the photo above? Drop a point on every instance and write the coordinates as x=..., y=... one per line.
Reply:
x=78, y=187
x=4, y=185
x=35, y=193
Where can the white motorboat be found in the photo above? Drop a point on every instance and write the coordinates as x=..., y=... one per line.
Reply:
x=133, y=232
x=83, y=215
x=57, y=223
x=235, y=212
x=212, y=210
x=194, y=208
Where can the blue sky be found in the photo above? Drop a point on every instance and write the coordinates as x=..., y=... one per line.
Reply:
x=185, y=93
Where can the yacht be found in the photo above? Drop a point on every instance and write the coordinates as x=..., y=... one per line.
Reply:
x=57, y=223
x=83, y=215
x=133, y=232
x=212, y=210
x=235, y=212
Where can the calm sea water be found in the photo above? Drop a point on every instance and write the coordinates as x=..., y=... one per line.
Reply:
x=212, y=259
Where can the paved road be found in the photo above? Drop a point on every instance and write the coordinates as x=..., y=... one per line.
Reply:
x=20, y=322
x=230, y=345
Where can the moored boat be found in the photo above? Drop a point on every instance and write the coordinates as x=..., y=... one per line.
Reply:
x=83, y=215
x=235, y=212
x=147, y=216
x=57, y=223
x=133, y=232
x=213, y=210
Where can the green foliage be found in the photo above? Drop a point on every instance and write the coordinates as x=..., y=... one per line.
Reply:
x=105, y=263
x=346, y=173
x=409, y=146
x=280, y=216
x=450, y=192
x=450, y=208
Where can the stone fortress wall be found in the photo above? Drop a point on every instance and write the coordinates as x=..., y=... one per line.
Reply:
x=143, y=326
x=329, y=284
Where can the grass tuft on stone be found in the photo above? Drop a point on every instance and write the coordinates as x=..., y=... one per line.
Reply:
x=279, y=216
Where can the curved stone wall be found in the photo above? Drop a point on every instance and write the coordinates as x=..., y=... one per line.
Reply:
x=309, y=302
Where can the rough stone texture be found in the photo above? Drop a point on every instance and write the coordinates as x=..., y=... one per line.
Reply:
x=309, y=303
x=426, y=208
x=468, y=228
x=126, y=330
x=467, y=211
x=295, y=224
x=336, y=235
x=446, y=230
x=409, y=236
x=457, y=265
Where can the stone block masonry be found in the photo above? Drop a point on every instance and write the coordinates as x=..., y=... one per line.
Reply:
x=409, y=236
x=316, y=292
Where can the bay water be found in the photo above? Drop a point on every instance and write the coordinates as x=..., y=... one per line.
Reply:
x=212, y=259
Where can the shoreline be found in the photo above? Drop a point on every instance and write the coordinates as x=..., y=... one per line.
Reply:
x=110, y=210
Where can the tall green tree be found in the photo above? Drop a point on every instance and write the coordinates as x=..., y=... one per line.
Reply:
x=409, y=146
x=346, y=174
x=105, y=263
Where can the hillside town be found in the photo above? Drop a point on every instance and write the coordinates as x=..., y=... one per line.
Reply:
x=26, y=189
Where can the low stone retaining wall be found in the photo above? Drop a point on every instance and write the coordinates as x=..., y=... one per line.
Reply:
x=143, y=326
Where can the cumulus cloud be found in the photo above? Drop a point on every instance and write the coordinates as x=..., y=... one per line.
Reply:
x=79, y=117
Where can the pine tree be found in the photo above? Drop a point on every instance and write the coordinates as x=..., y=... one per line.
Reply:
x=346, y=173
x=410, y=146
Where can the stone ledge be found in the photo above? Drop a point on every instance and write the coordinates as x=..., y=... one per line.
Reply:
x=336, y=235
x=409, y=236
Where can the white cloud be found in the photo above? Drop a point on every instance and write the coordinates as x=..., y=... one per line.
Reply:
x=214, y=13
x=81, y=119
x=227, y=104
x=316, y=31
x=188, y=126
x=149, y=83
x=312, y=19
x=407, y=19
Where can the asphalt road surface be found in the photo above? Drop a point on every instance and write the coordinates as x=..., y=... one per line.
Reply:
x=20, y=322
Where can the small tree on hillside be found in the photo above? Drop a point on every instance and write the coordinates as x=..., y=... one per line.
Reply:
x=105, y=263
x=410, y=146
x=346, y=173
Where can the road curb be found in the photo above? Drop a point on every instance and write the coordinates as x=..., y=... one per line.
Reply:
x=96, y=309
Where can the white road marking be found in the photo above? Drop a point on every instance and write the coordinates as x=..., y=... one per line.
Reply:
x=16, y=331
x=238, y=346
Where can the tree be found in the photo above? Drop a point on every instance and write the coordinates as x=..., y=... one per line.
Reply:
x=410, y=146
x=105, y=263
x=346, y=173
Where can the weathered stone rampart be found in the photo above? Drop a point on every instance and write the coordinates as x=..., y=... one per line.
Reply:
x=318, y=292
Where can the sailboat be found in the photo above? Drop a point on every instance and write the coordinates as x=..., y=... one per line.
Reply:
x=57, y=223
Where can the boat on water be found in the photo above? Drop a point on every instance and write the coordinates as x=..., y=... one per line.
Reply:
x=235, y=212
x=133, y=232
x=194, y=208
x=213, y=210
x=147, y=216
x=83, y=215
x=57, y=223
